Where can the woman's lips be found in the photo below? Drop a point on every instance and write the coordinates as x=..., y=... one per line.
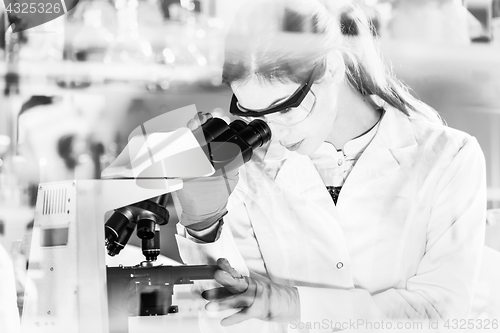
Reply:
x=294, y=146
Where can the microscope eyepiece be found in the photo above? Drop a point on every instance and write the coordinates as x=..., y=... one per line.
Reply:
x=223, y=143
x=212, y=129
x=237, y=125
x=257, y=133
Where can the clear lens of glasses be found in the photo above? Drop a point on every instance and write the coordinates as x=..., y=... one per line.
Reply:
x=290, y=116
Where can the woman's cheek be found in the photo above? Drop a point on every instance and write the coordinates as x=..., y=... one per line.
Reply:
x=279, y=132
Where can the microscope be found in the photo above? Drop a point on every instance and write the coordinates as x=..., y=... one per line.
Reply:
x=73, y=291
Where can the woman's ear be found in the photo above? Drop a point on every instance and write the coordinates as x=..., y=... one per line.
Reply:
x=336, y=66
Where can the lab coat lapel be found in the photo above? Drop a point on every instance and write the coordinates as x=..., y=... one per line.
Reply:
x=298, y=174
x=314, y=213
x=393, y=143
x=297, y=225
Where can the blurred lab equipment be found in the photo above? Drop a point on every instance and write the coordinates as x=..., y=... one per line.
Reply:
x=495, y=22
x=74, y=149
x=13, y=42
x=129, y=46
x=52, y=131
x=440, y=22
x=75, y=291
x=482, y=11
x=193, y=38
x=93, y=39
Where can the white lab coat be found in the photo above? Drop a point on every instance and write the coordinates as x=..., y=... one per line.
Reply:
x=403, y=242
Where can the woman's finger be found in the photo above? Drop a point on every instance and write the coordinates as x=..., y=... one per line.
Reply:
x=193, y=124
x=199, y=119
x=238, y=317
x=234, y=285
x=235, y=302
x=224, y=264
x=216, y=294
x=203, y=117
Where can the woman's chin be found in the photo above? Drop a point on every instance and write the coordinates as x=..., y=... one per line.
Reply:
x=307, y=148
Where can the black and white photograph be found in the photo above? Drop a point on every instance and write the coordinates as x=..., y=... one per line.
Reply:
x=249, y=166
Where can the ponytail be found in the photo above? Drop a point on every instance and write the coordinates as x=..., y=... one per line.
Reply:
x=366, y=70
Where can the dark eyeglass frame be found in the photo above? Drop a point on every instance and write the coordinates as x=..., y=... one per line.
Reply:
x=291, y=102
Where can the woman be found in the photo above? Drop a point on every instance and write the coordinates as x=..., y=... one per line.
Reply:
x=363, y=207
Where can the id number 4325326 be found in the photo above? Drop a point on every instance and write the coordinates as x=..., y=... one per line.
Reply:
x=33, y=8
x=477, y=324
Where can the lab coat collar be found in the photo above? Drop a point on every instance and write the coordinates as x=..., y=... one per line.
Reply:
x=384, y=156
x=355, y=147
x=396, y=130
x=388, y=150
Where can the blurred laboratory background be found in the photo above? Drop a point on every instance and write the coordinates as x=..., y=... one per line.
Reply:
x=74, y=88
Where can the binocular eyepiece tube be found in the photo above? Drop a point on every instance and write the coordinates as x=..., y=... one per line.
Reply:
x=223, y=143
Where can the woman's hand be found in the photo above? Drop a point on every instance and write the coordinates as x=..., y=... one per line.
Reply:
x=204, y=199
x=199, y=119
x=257, y=299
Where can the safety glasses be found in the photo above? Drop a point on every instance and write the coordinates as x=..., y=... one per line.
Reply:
x=292, y=111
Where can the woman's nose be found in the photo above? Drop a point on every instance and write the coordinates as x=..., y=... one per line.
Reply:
x=278, y=131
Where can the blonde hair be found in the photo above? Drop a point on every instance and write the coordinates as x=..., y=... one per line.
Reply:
x=284, y=40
